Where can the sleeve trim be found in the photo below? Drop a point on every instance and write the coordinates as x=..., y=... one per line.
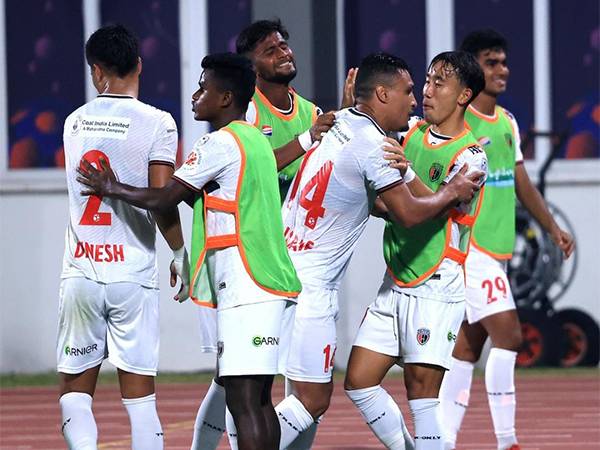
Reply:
x=390, y=186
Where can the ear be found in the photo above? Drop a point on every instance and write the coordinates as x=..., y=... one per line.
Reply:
x=97, y=72
x=381, y=93
x=226, y=99
x=465, y=96
x=139, y=66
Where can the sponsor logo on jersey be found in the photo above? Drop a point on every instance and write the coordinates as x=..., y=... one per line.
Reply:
x=105, y=127
x=267, y=130
x=423, y=336
x=451, y=336
x=435, y=171
x=222, y=285
x=100, y=252
x=484, y=141
x=259, y=341
x=76, y=126
x=75, y=351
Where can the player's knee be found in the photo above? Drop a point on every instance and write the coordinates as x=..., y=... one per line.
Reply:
x=466, y=354
x=316, y=405
x=514, y=340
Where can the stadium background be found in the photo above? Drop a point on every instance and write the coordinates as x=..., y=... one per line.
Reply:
x=553, y=55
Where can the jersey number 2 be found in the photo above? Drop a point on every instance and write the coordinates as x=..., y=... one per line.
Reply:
x=91, y=214
x=500, y=285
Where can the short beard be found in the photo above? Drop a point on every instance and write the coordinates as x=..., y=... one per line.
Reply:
x=282, y=79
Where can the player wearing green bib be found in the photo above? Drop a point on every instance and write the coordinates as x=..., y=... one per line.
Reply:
x=490, y=306
x=242, y=266
x=420, y=305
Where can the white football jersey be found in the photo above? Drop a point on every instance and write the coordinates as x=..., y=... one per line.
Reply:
x=108, y=240
x=328, y=205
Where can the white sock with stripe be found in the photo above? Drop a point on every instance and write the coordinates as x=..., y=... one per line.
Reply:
x=146, y=431
x=231, y=430
x=500, y=386
x=454, y=397
x=78, y=424
x=293, y=418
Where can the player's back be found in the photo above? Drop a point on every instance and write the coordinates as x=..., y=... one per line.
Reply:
x=328, y=205
x=108, y=240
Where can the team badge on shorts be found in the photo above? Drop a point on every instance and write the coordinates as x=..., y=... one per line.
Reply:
x=423, y=336
x=220, y=348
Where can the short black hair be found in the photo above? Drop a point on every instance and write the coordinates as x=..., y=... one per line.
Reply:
x=233, y=73
x=376, y=69
x=115, y=48
x=466, y=69
x=250, y=36
x=486, y=39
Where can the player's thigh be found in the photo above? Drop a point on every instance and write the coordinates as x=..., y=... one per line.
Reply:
x=487, y=288
x=428, y=329
x=253, y=339
x=133, y=327
x=81, y=342
x=313, y=340
x=378, y=330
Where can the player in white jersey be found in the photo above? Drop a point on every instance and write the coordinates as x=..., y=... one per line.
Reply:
x=491, y=309
x=109, y=289
x=325, y=213
x=403, y=319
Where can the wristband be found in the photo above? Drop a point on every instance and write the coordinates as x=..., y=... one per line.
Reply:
x=409, y=175
x=179, y=254
x=305, y=140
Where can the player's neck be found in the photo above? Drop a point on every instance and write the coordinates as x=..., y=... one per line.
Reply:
x=485, y=104
x=226, y=118
x=452, y=126
x=121, y=86
x=372, y=113
x=276, y=93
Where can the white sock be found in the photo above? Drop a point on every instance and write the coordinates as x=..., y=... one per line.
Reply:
x=383, y=416
x=78, y=424
x=500, y=386
x=305, y=440
x=146, y=432
x=454, y=397
x=231, y=430
x=428, y=426
x=293, y=419
x=210, y=420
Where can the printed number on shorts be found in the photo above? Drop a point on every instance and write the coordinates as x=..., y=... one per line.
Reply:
x=498, y=284
x=91, y=214
x=329, y=356
x=313, y=205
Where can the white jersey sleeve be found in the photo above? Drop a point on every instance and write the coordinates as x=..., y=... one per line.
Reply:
x=476, y=159
x=251, y=113
x=211, y=154
x=516, y=135
x=165, y=141
x=378, y=172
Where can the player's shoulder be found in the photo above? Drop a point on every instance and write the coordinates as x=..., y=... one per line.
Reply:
x=154, y=112
x=507, y=113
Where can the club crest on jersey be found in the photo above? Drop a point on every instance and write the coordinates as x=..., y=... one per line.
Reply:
x=423, y=336
x=435, y=171
x=267, y=130
x=484, y=141
x=192, y=159
x=509, y=139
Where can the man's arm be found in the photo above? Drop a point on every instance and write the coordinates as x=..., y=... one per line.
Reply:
x=290, y=152
x=533, y=202
x=103, y=182
x=409, y=210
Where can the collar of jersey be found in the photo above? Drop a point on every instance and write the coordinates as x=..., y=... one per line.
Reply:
x=115, y=96
x=356, y=112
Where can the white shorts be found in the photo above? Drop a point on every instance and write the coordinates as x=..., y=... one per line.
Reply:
x=253, y=339
x=416, y=330
x=207, y=321
x=487, y=287
x=118, y=321
x=314, y=340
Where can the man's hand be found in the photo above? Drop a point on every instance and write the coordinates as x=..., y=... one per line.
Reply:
x=180, y=267
x=394, y=153
x=348, y=99
x=322, y=125
x=564, y=241
x=100, y=182
x=465, y=186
